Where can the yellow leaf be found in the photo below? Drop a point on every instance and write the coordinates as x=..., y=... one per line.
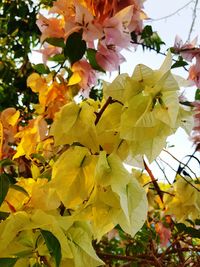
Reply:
x=108, y=127
x=12, y=120
x=36, y=82
x=35, y=171
x=74, y=79
x=73, y=176
x=1, y=139
x=75, y=123
x=81, y=245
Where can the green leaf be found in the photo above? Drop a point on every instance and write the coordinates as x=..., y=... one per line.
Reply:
x=197, y=94
x=4, y=186
x=57, y=58
x=39, y=157
x=6, y=162
x=147, y=32
x=151, y=39
x=197, y=221
x=53, y=246
x=41, y=68
x=193, y=232
x=46, y=174
x=56, y=41
x=24, y=253
x=91, y=56
x=182, y=228
x=8, y=262
x=4, y=215
x=75, y=47
x=179, y=63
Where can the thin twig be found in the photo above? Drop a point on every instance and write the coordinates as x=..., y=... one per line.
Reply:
x=174, y=13
x=181, y=175
x=194, y=15
x=146, y=258
x=163, y=171
x=156, y=186
x=180, y=162
x=99, y=114
x=158, y=52
x=108, y=102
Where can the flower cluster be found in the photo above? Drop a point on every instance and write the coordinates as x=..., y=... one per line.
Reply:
x=190, y=51
x=105, y=27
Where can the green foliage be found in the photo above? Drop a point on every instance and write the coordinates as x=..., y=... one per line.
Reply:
x=4, y=215
x=53, y=246
x=8, y=262
x=41, y=69
x=75, y=47
x=18, y=35
x=56, y=42
x=179, y=63
x=149, y=39
x=91, y=56
x=4, y=186
x=197, y=94
x=191, y=231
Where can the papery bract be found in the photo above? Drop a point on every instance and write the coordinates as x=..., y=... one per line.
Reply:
x=51, y=27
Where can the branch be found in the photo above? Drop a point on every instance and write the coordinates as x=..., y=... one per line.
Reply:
x=174, y=13
x=149, y=47
x=163, y=171
x=161, y=53
x=181, y=175
x=194, y=15
x=157, y=188
x=141, y=258
x=185, y=165
x=108, y=102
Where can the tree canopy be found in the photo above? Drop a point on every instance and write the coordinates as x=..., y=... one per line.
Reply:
x=66, y=196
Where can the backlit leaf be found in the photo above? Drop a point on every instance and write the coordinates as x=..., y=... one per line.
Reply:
x=56, y=42
x=41, y=68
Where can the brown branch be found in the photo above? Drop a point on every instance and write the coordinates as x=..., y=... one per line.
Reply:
x=155, y=254
x=179, y=252
x=141, y=258
x=185, y=165
x=181, y=175
x=163, y=171
x=108, y=102
x=185, y=249
x=156, y=186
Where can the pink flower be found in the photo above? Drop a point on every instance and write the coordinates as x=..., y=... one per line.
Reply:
x=108, y=58
x=116, y=28
x=164, y=234
x=87, y=74
x=91, y=29
x=190, y=50
x=52, y=27
x=196, y=129
x=194, y=73
x=64, y=7
x=48, y=51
